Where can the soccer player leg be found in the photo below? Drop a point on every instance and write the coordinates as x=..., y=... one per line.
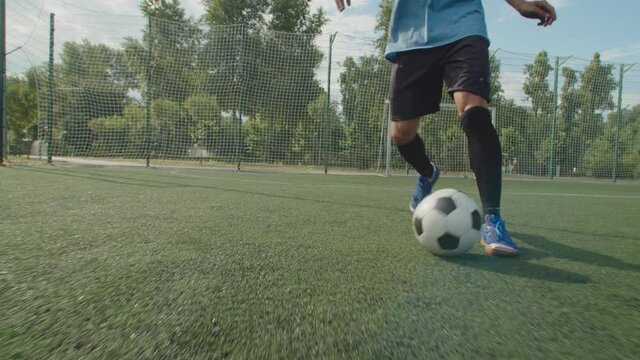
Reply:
x=466, y=73
x=485, y=155
x=413, y=94
x=467, y=76
x=404, y=134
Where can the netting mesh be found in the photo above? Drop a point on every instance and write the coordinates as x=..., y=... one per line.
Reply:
x=167, y=92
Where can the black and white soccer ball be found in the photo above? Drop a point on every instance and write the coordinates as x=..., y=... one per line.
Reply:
x=447, y=222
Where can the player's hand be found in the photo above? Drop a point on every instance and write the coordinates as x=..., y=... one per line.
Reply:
x=340, y=4
x=541, y=10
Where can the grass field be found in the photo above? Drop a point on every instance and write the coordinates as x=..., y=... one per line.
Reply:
x=135, y=263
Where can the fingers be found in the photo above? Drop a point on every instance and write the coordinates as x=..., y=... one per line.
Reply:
x=340, y=4
x=547, y=12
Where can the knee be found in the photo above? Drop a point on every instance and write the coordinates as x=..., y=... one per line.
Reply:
x=476, y=122
x=402, y=136
x=403, y=132
x=465, y=101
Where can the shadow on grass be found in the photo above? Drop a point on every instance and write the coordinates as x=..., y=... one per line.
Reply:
x=520, y=267
x=576, y=232
x=567, y=252
x=132, y=181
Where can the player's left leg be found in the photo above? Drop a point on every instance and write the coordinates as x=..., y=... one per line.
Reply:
x=485, y=156
x=467, y=75
x=415, y=91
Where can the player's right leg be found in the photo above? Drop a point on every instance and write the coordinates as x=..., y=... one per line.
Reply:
x=467, y=76
x=416, y=90
x=411, y=147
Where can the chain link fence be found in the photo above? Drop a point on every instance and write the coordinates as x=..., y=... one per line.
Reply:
x=158, y=92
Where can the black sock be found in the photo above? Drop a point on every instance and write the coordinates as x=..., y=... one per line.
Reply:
x=485, y=156
x=415, y=154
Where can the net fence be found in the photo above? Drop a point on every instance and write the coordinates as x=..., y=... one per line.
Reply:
x=160, y=92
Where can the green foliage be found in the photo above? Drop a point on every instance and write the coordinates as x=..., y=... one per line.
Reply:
x=232, y=12
x=497, y=91
x=250, y=91
x=295, y=16
x=598, y=158
x=536, y=85
x=119, y=135
x=383, y=22
x=22, y=105
x=92, y=81
x=205, y=128
x=364, y=87
x=325, y=119
x=510, y=140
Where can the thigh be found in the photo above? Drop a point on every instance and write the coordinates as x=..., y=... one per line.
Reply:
x=466, y=67
x=416, y=84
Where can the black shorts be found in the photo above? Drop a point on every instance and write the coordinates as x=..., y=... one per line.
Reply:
x=417, y=75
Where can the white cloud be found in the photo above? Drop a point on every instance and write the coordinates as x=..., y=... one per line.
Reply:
x=363, y=25
x=559, y=4
x=512, y=82
x=193, y=7
x=620, y=52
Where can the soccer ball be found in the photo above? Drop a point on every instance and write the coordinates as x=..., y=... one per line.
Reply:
x=447, y=222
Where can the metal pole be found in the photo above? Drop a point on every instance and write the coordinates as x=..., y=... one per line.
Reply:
x=50, y=89
x=4, y=153
x=325, y=132
x=147, y=125
x=240, y=99
x=618, y=119
x=554, y=115
x=388, y=170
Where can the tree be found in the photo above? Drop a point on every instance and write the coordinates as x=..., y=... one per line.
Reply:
x=598, y=159
x=171, y=133
x=92, y=82
x=315, y=131
x=364, y=84
x=596, y=88
x=22, y=105
x=383, y=22
x=232, y=12
x=205, y=123
x=295, y=16
x=536, y=85
x=497, y=91
x=174, y=39
x=537, y=133
x=266, y=69
x=570, y=103
x=596, y=91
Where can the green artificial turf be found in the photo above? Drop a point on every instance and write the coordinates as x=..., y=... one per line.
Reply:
x=159, y=263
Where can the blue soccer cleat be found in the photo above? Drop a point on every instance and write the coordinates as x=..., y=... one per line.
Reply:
x=424, y=188
x=495, y=238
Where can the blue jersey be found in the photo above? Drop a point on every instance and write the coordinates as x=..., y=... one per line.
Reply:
x=419, y=24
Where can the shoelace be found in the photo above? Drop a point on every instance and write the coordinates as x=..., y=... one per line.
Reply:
x=500, y=231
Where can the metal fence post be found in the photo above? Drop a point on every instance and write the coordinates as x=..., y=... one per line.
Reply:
x=325, y=132
x=618, y=119
x=149, y=95
x=50, y=90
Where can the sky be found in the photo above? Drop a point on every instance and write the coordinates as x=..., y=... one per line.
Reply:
x=583, y=28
